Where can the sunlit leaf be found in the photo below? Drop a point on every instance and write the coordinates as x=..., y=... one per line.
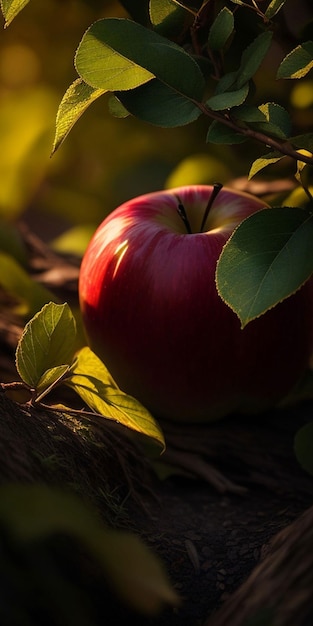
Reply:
x=157, y=104
x=273, y=8
x=219, y=133
x=264, y=161
x=268, y=257
x=304, y=142
x=100, y=63
x=228, y=99
x=48, y=340
x=49, y=379
x=10, y=8
x=304, y=447
x=167, y=18
x=94, y=384
x=252, y=58
x=110, y=56
x=298, y=62
x=30, y=295
x=302, y=165
x=221, y=29
x=74, y=103
x=116, y=108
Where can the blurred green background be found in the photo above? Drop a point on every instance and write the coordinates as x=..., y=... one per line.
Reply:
x=104, y=160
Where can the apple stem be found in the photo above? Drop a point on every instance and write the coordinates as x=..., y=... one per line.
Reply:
x=215, y=191
x=183, y=215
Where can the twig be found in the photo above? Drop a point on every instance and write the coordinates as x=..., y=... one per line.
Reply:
x=283, y=147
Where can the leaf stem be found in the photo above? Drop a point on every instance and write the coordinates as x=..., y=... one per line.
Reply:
x=13, y=385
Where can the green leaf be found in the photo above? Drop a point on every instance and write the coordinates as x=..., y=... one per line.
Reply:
x=74, y=103
x=167, y=18
x=157, y=104
x=303, y=141
x=252, y=58
x=228, y=99
x=264, y=161
x=10, y=8
x=226, y=82
x=268, y=257
x=298, y=62
x=30, y=295
x=94, y=384
x=237, y=82
x=273, y=8
x=304, y=447
x=302, y=167
x=277, y=122
x=219, y=133
x=110, y=56
x=250, y=114
x=116, y=108
x=48, y=340
x=221, y=29
x=49, y=379
x=101, y=65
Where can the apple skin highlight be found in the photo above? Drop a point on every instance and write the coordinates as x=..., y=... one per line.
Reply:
x=152, y=313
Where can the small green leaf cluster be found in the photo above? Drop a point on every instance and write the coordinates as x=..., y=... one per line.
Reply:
x=175, y=64
x=46, y=357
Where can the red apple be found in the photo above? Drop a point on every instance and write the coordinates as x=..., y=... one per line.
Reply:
x=153, y=315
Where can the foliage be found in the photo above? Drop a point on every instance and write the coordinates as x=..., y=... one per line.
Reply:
x=174, y=64
x=271, y=251
x=46, y=357
x=171, y=84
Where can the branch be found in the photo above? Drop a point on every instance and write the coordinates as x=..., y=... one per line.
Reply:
x=283, y=147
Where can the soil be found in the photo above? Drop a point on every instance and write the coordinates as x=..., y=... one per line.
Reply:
x=213, y=507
